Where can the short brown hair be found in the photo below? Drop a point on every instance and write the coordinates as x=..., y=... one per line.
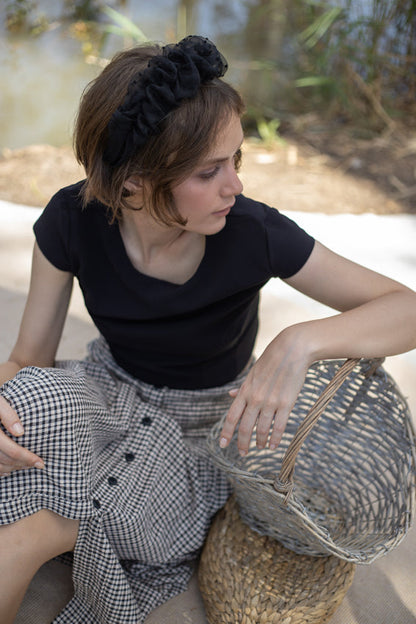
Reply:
x=186, y=135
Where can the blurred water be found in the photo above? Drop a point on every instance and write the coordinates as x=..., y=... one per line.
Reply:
x=40, y=84
x=42, y=77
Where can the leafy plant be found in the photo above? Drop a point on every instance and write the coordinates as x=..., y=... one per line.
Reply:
x=21, y=18
x=123, y=26
x=94, y=34
x=320, y=27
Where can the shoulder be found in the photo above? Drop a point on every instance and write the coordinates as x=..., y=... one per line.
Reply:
x=252, y=213
x=66, y=206
x=265, y=230
x=247, y=217
x=65, y=227
x=69, y=195
x=245, y=207
x=68, y=198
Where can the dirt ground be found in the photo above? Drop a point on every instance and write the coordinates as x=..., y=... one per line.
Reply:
x=311, y=170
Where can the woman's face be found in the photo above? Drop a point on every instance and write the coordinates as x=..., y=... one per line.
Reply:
x=206, y=197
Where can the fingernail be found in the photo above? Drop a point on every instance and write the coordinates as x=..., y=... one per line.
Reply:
x=17, y=429
x=39, y=465
x=272, y=447
x=242, y=453
x=223, y=442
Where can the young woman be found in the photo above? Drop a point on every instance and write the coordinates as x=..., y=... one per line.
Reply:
x=102, y=457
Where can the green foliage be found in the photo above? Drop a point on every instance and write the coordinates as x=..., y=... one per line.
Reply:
x=320, y=27
x=123, y=26
x=86, y=10
x=20, y=18
x=85, y=19
x=94, y=34
x=347, y=59
x=268, y=132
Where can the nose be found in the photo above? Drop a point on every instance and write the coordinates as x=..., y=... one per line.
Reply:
x=232, y=183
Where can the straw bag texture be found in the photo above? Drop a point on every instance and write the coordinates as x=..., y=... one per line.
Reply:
x=343, y=484
x=247, y=578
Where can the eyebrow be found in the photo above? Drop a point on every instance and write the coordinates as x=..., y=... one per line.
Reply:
x=218, y=160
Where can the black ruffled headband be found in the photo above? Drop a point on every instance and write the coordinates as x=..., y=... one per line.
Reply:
x=169, y=78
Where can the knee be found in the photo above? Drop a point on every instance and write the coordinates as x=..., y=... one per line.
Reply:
x=57, y=534
x=42, y=390
x=39, y=537
x=46, y=401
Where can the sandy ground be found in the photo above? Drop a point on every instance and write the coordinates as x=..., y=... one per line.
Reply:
x=289, y=176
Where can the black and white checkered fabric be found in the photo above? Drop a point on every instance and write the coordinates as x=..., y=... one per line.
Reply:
x=122, y=457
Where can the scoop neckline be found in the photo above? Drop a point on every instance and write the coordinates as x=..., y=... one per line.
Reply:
x=124, y=265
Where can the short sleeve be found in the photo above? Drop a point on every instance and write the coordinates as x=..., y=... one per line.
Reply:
x=289, y=246
x=53, y=232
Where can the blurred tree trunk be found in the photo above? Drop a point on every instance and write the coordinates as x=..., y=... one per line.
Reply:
x=186, y=18
x=271, y=38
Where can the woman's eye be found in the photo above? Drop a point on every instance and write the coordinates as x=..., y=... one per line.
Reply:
x=238, y=156
x=206, y=175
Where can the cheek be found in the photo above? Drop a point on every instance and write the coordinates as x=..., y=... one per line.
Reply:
x=189, y=197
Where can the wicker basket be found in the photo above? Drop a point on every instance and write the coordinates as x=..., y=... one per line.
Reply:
x=345, y=485
x=247, y=578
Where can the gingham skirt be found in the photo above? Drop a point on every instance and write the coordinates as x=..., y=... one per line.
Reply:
x=126, y=459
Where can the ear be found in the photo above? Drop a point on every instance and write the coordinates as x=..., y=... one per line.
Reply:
x=134, y=185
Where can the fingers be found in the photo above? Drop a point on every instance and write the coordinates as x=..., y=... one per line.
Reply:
x=15, y=457
x=234, y=414
x=263, y=427
x=12, y=455
x=266, y=397
x=263, y=404
x=249, y=418
x=10, y=419
x=249, y=410
x=278, y=431
x=244, y=412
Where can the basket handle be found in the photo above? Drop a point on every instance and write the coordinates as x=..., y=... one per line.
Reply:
x=284, y=481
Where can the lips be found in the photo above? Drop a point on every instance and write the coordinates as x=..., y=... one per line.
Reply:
x=224, y=211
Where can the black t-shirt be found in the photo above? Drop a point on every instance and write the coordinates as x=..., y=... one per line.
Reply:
x=196, y=335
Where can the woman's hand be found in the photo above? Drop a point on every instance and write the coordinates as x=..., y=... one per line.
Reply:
x=12, y=455
x=268, y=394
x=40, y=331
x=377, y=319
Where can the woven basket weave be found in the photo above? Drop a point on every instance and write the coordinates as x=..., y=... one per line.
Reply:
x=343, y=485
x=247, y=578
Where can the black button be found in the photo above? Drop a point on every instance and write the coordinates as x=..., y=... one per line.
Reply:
x=96, y=503
x=146, y=421
x=129, y=457
x=112, y=481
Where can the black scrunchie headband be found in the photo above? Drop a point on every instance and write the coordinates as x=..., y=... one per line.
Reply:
x=169, y=78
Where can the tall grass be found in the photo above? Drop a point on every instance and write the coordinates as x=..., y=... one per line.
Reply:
x=349, y=60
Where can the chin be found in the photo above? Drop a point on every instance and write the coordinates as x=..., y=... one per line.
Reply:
x=214, y=229
x=207, y=228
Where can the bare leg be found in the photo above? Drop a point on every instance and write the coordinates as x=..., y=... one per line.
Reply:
x=24, y=547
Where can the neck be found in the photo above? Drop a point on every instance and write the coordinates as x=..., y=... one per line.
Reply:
x=142, y=231
x=169, y=253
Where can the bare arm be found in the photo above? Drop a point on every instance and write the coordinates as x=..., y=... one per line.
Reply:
x=40, y=332
x=378, y=318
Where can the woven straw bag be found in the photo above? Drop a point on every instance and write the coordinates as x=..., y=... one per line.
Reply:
x=247, y=578
x=341, y=485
